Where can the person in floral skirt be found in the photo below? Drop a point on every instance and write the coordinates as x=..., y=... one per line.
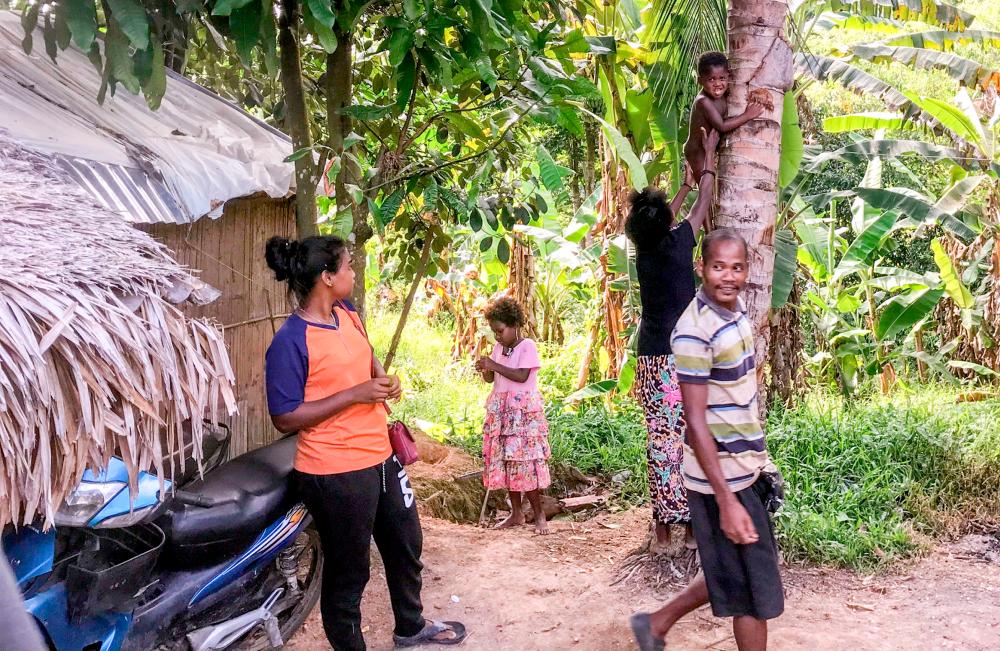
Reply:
x=515, y=434
x=664, y=258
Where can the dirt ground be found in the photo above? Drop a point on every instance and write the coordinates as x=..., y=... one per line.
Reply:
x=518, y=591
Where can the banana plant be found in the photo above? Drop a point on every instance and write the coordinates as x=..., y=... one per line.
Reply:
x=865, y=310
x=974, y=136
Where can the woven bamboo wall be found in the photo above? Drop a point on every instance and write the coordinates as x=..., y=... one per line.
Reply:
x=229, y=253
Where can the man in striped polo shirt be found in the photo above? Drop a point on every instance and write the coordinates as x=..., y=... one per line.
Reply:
x=726, y=468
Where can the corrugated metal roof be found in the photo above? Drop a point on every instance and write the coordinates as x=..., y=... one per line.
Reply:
x=124, y=190
x=177, y=164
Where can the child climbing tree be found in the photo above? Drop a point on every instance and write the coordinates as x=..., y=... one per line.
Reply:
x=760, y=58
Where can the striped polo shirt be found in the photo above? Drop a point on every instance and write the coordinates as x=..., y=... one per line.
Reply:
x=713, y=345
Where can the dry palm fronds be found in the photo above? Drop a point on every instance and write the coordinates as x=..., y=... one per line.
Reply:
x=980, y=345
x=93, y=359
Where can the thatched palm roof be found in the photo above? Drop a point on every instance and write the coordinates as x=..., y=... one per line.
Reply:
x=94, y=360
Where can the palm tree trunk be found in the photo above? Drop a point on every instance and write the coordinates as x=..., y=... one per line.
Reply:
x=761, y=61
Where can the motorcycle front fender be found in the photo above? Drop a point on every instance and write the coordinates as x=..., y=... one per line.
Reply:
x=30, y=552
x=108, y=630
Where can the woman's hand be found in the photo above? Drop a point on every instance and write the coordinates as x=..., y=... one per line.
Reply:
x=689, y=178
x=395, y=387
x=375, y=390
x=484, y=364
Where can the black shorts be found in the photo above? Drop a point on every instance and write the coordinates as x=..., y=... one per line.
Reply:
x=743, y=580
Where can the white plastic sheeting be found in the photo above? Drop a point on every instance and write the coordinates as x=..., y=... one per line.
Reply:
x=178, y=163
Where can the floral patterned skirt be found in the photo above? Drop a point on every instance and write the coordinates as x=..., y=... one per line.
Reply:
x=660, y=395
x=516, y=442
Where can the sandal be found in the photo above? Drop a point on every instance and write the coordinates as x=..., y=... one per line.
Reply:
x=431, y=629
x=642, y=629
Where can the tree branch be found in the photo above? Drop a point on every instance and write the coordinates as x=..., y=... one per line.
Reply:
x=466, y=108
x=437, y=168
x=410, y=110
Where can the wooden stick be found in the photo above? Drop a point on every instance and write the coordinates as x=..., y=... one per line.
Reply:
x=482, y=511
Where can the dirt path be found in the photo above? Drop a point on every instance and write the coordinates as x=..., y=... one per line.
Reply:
x=517, y=591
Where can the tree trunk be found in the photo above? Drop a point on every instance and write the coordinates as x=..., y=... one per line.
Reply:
x=589, y=156
x=785, y=380
x=761, y=62
x=575, y=182
x=339, y=93
x=583, y=375
x=418, y=275
x=613, y=211
x=297, y=118
x=521, y=283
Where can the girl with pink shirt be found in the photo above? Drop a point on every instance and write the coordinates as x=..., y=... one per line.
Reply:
x=515, y=434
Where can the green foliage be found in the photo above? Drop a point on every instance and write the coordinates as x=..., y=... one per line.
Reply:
x=624, y=151
x=785, y=264
x=792, y=145
x=868, y=481
x=966, y=71
x=680, y=31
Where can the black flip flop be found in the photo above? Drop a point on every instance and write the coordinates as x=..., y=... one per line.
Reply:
x=642, y=629
x=431, y=629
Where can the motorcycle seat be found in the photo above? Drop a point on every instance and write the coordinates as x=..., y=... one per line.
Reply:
x=246, y=494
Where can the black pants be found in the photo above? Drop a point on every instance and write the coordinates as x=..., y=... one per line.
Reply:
x=743, y=580
x=349, y=508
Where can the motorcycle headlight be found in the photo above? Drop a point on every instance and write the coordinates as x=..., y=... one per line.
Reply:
x=85, y=501
x=125, y=519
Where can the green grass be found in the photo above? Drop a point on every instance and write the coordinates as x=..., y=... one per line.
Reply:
x=873, y=481
x=442, y=396
x=869, y=482
x=445, y=398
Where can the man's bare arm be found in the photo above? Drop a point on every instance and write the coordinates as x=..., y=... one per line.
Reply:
x=734, y=519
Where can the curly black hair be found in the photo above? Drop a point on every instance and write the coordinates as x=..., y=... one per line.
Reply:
x=507, y=311
x=649, y=218
x=710, y=60
x=300, y=263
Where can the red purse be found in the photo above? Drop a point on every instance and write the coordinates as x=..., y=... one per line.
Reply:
x=403, y=445
x=400, y=438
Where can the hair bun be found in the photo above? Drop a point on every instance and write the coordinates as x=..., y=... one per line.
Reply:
x=279, y=252
x=649, y=201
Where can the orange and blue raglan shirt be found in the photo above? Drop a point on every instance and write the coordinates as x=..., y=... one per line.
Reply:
x=311, y=361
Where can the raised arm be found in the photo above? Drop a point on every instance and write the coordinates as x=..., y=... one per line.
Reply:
x=682, y=192
x=722, y=125
x=706, y=185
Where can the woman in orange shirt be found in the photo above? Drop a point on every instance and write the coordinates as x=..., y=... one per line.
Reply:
x=324, y=383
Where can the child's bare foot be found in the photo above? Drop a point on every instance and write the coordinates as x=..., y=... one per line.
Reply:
x=541, y=526
x=513, y=520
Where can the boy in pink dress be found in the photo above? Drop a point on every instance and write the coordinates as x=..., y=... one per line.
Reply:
x=515, y=434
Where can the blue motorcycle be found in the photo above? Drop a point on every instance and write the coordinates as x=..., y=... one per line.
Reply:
x=226, y=560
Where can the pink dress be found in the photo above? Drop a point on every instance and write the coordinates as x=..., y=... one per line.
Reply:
x=516, y=434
